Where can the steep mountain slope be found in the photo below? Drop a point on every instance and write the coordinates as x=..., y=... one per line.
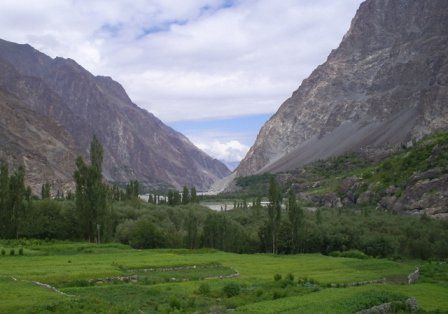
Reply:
x=385, y=85
x=35, y=141
x=137, y=145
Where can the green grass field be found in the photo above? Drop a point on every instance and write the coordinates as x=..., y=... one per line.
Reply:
x=115, y=278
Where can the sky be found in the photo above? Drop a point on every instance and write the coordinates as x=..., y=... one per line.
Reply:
x=215, y=70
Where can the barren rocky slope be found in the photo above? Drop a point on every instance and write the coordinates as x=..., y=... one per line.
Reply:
x=385, y=85
x=137, y=145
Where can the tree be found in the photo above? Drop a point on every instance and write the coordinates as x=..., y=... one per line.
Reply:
x=17, y=193
x=295, y=214
x=185, y=195
x=191, y=225
x=194, y=196
x=274, y=212
x=45, y=191
x=90, y=191
x=4, y=198
x=132, y=190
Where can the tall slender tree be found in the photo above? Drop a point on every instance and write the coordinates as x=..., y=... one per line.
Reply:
x=17, y=192
x=91, y=192
x=295, y=214
x=4, y=198
x=185, y=195
x=194, y=195
x=45, y=191
x=191, y=225
x=274, y=212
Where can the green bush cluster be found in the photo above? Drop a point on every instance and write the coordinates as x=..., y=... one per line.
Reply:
x=231, y=289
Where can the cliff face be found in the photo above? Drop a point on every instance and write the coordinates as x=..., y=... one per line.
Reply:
x=137, y=145
x=35, y=141
x=385, y=85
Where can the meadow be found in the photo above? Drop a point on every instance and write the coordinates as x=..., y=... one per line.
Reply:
x=115, y=278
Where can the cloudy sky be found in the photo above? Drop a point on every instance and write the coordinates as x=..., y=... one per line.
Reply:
x=213, y=69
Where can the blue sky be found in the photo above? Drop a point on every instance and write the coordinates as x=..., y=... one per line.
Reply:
x=227, y=139
x=214, y=70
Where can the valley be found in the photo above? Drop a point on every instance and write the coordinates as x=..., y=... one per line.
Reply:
x=195, y=281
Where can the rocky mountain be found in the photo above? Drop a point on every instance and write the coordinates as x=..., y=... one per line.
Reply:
x=78, y=105
x=385, y=85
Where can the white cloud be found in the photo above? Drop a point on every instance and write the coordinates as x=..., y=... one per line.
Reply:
x=231, y=151
x=198, y=58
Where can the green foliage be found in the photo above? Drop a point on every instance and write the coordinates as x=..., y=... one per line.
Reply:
x=132, y=190
x=350, y=254
x=46, y=190
x=12, y=252
x=204, y=289
x=20, y=250
x=194, y=196
x=91, y=192
x=231, y=289
x=3, y=252
x=277, y=277
x=185, y=195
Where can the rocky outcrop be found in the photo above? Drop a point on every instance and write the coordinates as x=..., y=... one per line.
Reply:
x=408, y=306
x=137, y=145
x=37, y=142
x=385, y=85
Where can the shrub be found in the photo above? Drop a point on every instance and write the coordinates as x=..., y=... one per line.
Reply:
x=12, y=252
x=290, y=277
x=349, y=254
x=3, y=252
x=175, y=304
x=204, y=289
x=278, y=295
x=231, y=289
x=277, y=277
x=21, y=251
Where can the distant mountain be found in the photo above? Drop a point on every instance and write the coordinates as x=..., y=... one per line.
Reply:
x=385, y=85
x=77, y=105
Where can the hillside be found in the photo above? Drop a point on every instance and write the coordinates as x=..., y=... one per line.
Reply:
x=137, y=145
x=411, y=180
x=384, y=86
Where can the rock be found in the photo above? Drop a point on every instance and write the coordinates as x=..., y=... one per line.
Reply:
x=365, y=198
x=388, y=202
x=413, y=277
x=384, y=86
x=136, y=144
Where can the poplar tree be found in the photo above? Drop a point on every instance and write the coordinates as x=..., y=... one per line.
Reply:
x=45, y=191
x=194, y=196
x=295, y=214
x=90, y=191
x=17, y=192
x=274, y=212
x=4, y=198
x=185, y=195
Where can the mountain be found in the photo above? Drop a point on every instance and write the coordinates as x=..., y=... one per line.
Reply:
x=78, y=105
x=385, y=85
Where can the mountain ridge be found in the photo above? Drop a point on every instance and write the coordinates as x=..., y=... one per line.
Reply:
x=392, y=60
x=137, y=144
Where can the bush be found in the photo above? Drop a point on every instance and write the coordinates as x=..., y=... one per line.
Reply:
x=278, y=295
x=12, y=252
x=231, y=289
x=3, y=252
x=204, y=289
x=290, y=277
x=21, y=251
x=175, y=304
x=349, y=254
x=277, y=277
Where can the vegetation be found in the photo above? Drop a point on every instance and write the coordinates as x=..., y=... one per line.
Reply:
x=105, y=277
x=184, y=235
